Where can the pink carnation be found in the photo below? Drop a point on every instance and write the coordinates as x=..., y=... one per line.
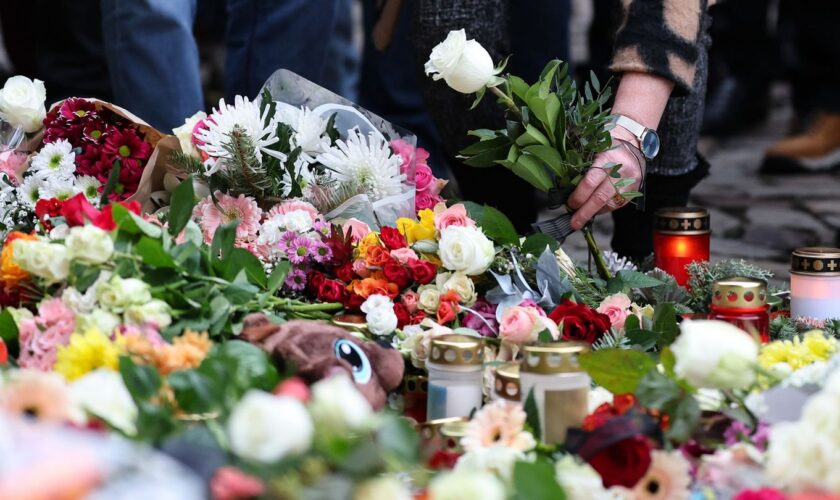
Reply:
x=617, y=308
x=243, y=209
x=41, y=336
x=10, y=162
x=456, y=215
x=291, y=206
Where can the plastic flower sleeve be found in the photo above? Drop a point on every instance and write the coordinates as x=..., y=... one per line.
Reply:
x=292, y=89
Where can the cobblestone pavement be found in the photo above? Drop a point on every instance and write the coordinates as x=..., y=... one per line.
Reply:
x=758, y=218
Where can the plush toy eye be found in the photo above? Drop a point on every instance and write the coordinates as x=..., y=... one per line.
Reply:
x=350, y=352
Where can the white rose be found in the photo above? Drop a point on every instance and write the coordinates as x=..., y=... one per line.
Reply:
x=338, y=406
x=98, y=319
x=265, y=428
x=89, y=244
x=465, y=249
x=428, y=298
x=464, y=64
x=118, y=293
x=581, y=481
x=103, y=393
x=715, y=354
x=458, y=485
x=184, y=133
x=78, y=302
x=45, y=260
x=154, y=312
x=379, y=314
x=496, y=459
x=382, y=488
x=462, y=285
x=22, y=103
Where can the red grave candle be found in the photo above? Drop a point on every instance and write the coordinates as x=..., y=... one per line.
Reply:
x=680, y=237
x=742, y=302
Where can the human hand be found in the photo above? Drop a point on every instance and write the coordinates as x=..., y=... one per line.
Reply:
x=599, y=193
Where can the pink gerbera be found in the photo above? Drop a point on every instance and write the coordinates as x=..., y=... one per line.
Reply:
x=243, y=209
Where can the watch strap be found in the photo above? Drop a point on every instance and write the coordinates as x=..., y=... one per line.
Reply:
x=631, y=126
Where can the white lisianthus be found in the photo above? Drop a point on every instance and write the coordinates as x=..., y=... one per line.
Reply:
x=458, y=485
x=462, y=285
x=118, y=293
x=89, y=244
x=45, y=260
x=337, y=405
x=98, y=319
x=464, y=64
x=184, y=133
x=22, y=103
x=155, y=312
x=103, y=393
x=265, y=428
x=715, y=354
x=382, y=488
x=379, y=314
x=465, y=249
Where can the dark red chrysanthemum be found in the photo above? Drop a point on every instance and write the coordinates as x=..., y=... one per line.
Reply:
x=77, y=110
x=127, y=146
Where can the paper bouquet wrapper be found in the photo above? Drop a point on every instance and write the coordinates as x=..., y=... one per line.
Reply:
x=152, y=178
x=294, y=90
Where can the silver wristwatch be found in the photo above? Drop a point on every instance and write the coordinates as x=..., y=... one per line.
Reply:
x=648, y=138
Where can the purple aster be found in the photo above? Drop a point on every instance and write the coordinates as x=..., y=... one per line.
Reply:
x=296, y=280
x=299, y=250
x=321, y=252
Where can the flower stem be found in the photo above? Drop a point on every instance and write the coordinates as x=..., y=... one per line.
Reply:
x=596, y=254
x=508, y=101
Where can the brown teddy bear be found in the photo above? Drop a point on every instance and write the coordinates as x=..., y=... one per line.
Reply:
x=315, y=350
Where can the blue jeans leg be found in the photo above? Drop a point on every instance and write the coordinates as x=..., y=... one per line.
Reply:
x=153, y=59
x=266, y=35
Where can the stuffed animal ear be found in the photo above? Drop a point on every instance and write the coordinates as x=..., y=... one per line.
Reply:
x=257, y=327
x=387, y=363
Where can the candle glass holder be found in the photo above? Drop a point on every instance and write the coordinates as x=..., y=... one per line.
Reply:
x=742, y=302
x=506, y=384
x=681, y=236
x=455, y=376
x=815, y=283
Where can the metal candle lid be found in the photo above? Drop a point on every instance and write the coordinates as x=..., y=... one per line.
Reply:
x=553, y=357
x=815, y=261
x=507, y=381
x=457, y=350
x=452, y=432
x=739, y=291
x=682, y=220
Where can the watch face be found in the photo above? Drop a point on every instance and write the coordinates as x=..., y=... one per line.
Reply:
x=650, y=144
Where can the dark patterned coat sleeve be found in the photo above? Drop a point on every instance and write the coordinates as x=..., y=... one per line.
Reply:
x=662, y=37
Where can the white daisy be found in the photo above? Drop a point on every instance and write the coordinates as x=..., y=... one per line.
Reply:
x=89, y=185
x=309, y=127
x=62, y=188
x=30, y=190
x=244, y=115
x=54, y=158
x=365, y=164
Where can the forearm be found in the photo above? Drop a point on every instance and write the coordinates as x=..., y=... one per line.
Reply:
x=642, y=97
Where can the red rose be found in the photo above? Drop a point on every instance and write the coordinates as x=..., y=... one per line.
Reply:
x=48, y=209
x=314, y=280
x=580, y=322
x=417, y=318
x=396, y=273
x=624, y=463
x=77, y=210
x=332, y=291
x=378, y=256
x=403, y=316
x=4, y=353
x=422, y=271
x=392, y=238
x=353, y=301
x=345, y=272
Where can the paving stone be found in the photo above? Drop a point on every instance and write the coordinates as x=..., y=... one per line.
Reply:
x=723, y=224
x=723, y=248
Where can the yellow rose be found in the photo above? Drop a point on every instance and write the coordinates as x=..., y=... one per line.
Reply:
x=423, y=232
x=406, y=228
x=427, y=218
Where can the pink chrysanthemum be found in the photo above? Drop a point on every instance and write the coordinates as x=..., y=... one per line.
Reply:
x=242, y=208
x=296, y=280
x=299, y=250
x=41, y=336
x=286, y=241
x=321, y=252
x=500, y=423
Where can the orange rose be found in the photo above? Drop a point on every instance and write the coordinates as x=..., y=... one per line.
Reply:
x=378, y=256
x=10, y=273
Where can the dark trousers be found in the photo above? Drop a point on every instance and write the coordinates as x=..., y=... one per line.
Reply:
x=811, y=26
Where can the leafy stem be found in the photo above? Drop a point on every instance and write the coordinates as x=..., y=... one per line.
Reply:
x=506, y=99
x=595, y=251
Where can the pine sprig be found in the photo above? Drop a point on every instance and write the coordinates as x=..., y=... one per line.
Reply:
x=703, y=274
x=245, y=173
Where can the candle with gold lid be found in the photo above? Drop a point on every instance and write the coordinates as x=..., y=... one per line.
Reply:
x=815, y=283
x=506, y=384
x=742, y=301
x=560, y=386
x=680, y=237
x=455, y=376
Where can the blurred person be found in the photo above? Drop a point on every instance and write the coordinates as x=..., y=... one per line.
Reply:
x=154, y=63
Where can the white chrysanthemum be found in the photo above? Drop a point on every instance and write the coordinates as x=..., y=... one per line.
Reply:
x=59, y=187
x=365, y=164
x=30, y=190
x=89, y=185
x=309, y=127
x=243, y=114
x=55, y=158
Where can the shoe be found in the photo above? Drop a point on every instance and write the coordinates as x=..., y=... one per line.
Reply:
x=815, y=151
x=733, y=107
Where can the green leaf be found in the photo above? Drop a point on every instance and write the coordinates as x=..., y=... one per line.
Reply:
x=241, y=259
x=112, y=182
x=399, y=438
x=665, y=323
x=152, y=253
x=617, y=370
x=142, y=381
x=487, y=158
x=181, y=206
x=486, y=144
x=549, y=156
x=8, y=327
x=196, y=393
x=655, y=390
x=532, y=170
x=683, y=420
x=478, y=96
x=635, y=279
x=537, y=243
x=474, y=210
x=223, y=240
x=498, y=227
x=547, y=76
x=536, y=481
x=132, y=223
x=532, y=135
x=532, y=415
x=545, y=336
x=83, y=276
x=518, y=86
x=278, y=276
x=668, y=360
x=645, y=340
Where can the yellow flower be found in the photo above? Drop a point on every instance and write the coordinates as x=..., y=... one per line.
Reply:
x=797, y=353
x=818, y=345
x=406, y=228
x=370, y=240
x=427, y=218
x=86, y=352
